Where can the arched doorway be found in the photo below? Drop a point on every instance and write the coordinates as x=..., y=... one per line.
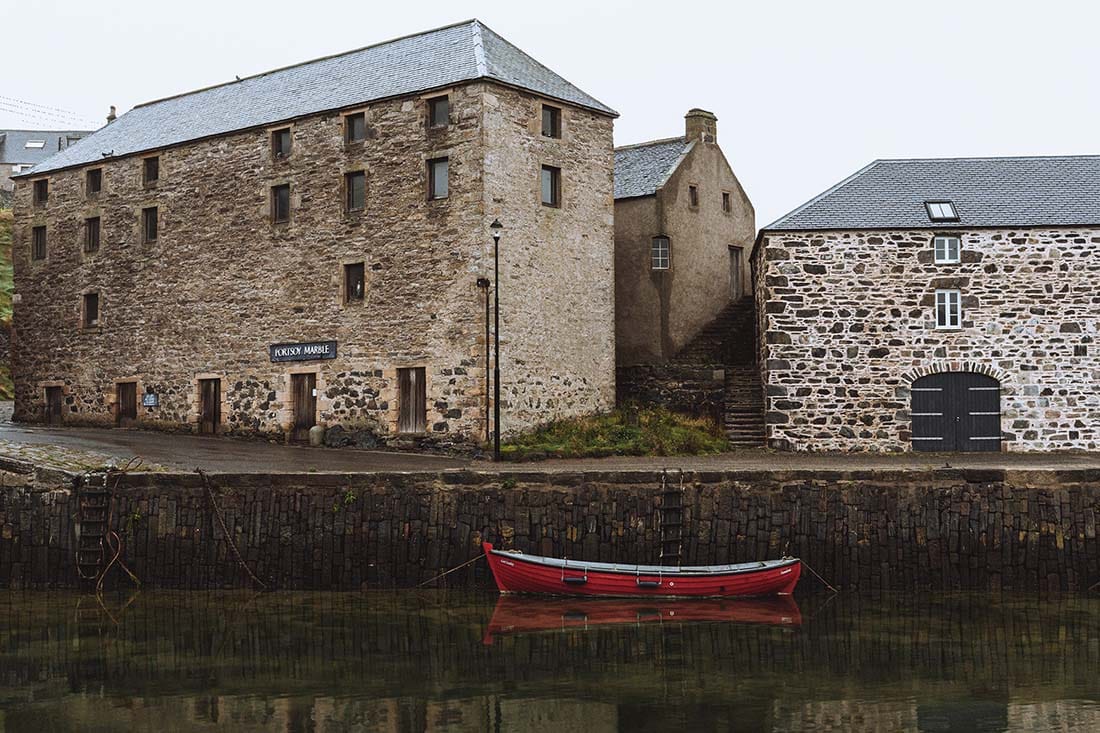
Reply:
x=956, y=411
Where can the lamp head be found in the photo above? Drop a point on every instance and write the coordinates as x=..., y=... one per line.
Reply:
x=483, y=282
x=496, y=226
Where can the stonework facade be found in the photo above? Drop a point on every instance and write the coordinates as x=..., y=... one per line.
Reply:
x=848, y=324
x=222, y=282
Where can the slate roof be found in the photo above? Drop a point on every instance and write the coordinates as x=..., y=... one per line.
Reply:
x=642, y=169
x=436, y=58
x=987, y=192
x=13, y=144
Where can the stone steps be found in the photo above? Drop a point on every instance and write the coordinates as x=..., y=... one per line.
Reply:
x=744, y=407
x=728, y=339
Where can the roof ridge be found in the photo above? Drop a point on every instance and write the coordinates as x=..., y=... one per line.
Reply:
x=306, y=63
x=12, y=129
x=479, y=50
x=681, y=138
x=988, y=158
x=823, y=194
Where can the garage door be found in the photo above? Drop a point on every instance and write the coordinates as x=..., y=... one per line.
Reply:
x=956, y=411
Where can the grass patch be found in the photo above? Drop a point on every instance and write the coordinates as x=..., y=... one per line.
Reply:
x=627, y=431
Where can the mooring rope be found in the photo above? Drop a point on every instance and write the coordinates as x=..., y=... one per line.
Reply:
x=225, y=530
x=816, y=575
x=442, y=575
x=116, y=544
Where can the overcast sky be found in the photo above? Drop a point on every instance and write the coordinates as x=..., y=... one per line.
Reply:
x=805, y=92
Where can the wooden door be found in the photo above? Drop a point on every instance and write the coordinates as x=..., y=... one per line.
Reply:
x=956, y=411
x=303, y=387
x=210, y=406
x=412, y=401
x=736, y=288
x=127, y=403
x=53, y=405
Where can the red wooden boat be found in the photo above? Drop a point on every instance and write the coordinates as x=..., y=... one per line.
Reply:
x=515, y=615
x=516, y=572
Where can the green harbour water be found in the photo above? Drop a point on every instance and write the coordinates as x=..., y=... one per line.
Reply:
x=450, y=661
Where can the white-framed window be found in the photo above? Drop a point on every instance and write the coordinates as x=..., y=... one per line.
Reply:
x=660, y=253
x=948, y=309
x=941, y=211
x=947, y=250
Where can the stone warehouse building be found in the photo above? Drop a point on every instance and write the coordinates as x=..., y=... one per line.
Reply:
x=936, y=305
x=304, y=247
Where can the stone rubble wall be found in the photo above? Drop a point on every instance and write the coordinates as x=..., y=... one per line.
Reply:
x=848, y=323
x=691, y=390
x=867, y=531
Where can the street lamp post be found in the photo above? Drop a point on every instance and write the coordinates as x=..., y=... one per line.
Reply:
x=496, y=226
x=483, y=284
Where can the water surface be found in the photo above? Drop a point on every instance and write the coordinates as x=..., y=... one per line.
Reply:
x=438, y=661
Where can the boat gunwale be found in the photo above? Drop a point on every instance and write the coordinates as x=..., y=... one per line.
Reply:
x=702, y=571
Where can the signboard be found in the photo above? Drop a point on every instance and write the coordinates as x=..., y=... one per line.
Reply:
x=149, y=400
x=303, y=352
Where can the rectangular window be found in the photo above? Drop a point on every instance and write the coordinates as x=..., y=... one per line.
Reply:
x=41, y=191
x=551, y=121
x=947, y=250
x=38, y=243
x=355, y=127
x=93, y=182
x=551, y=186
x=149, y=224
x=660, y=256
x=91, y=310
x=355, y=186
x=91, y=234
x=353, y=283
x=439, y=110
x=280, y=143
x=280, y=203
x=693, y=195
x=438, y=186
x=411, y=401
x=941, y=211
x=948, y=309
x=150, y=170
x=727, y=206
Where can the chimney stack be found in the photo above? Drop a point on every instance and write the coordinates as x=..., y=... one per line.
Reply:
x=111, y=116
x=701, y=125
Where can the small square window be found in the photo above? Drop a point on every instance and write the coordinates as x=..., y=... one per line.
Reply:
x=1081, y=350
x=693, y=196
x=353, y=283
x=91, y=234
x=149, y=224
x=946, y=250
x=90, y=310
x=941, y=211
x=280, y=203
x=34, y=144
x=551, y=121
x=280, y=143
x=551, y=186
x=355, y=127
x=150, y=170
x=727, y=205
x=93, y=181
x=948, y=309
x=660, y=256
x=438, y=185
x=355, y=187
x=439, y=110
x=38, y=243
x=41, y=191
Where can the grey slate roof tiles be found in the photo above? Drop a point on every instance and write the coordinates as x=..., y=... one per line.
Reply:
x=437, y=58
x=642, y=169
x=987, y=192
x=13, y=144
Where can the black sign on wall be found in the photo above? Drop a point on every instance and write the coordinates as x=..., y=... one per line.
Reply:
x=303, y=352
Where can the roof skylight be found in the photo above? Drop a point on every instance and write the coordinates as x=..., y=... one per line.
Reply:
x=941, y=211
x=35, y=144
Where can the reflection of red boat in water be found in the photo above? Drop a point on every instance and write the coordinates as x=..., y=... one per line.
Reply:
x=516, y=615
x=516, y=572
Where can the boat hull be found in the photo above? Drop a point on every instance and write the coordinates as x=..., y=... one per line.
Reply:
x=520, y=573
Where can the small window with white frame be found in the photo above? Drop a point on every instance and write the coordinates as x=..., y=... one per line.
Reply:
x=941, y=211
x=660, y=253
x=948, y=309
x=947, y=249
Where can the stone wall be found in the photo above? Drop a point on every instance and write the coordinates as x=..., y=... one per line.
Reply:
x=222, y=282
x=691, y=390
x=871, y=530
x=848, y=323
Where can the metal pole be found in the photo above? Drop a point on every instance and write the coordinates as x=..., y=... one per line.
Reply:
x=483, y=283
x=496, y=343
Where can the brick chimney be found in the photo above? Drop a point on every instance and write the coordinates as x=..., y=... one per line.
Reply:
x=701, y=125
x=111, y=116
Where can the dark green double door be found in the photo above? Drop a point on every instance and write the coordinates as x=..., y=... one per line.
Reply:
x=956, y=411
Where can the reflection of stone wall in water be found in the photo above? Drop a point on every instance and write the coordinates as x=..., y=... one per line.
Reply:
x=946, y=529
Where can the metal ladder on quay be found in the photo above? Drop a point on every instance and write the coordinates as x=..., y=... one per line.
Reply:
x=93, y=502
x=671, y=519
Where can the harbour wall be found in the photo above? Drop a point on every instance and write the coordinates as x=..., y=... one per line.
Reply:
x=861, y=530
